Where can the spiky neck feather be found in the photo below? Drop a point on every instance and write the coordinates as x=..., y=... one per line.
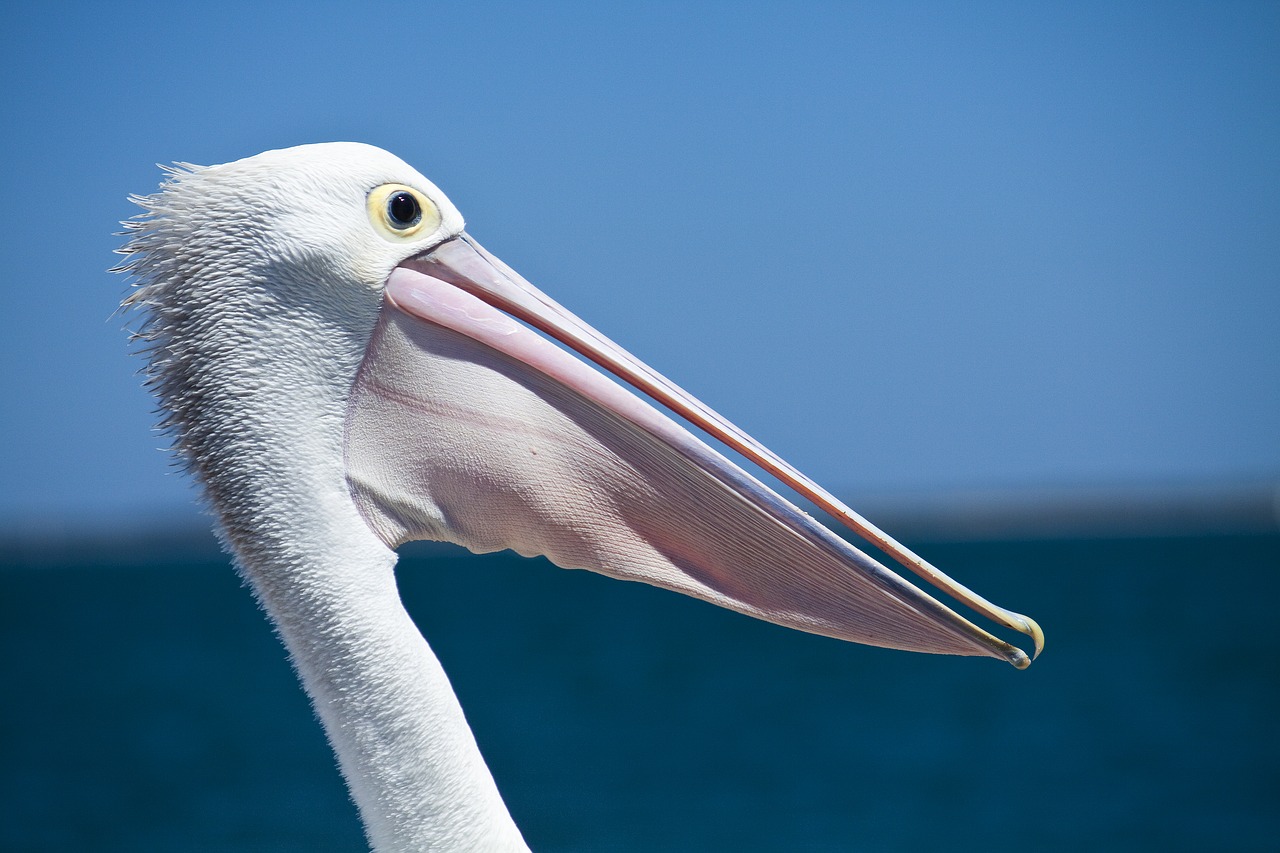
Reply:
x=241, y=329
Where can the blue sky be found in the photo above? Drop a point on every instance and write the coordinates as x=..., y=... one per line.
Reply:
x=912, y=247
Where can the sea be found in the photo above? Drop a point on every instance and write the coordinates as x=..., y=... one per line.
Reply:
x=145, y=705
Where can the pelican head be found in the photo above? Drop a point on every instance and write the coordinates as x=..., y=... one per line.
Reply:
x=344, y=369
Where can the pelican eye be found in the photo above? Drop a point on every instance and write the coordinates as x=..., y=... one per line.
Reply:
x=403, y=210
x=399, y=212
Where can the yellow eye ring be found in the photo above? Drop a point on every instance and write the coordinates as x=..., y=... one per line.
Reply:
x=400, y=213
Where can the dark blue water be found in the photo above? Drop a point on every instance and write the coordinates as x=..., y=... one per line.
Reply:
x=146, y=706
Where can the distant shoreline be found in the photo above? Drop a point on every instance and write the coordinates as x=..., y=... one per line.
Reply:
x=1085, y=512
x=1078, y=513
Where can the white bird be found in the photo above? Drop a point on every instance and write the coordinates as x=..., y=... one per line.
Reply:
x=344, y=369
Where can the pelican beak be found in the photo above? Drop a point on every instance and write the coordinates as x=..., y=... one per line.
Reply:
x=516, y=444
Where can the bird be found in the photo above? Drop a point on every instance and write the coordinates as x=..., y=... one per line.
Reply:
x=343, y=369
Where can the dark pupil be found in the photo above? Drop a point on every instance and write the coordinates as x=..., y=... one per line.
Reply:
x=403, y=209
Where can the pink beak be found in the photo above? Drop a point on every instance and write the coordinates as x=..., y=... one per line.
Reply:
x=631, y=493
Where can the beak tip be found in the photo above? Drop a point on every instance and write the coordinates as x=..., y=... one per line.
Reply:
x=1036, y=634
x=1032, y=629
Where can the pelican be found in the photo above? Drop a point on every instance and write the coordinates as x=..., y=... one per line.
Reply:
x=344, y=369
